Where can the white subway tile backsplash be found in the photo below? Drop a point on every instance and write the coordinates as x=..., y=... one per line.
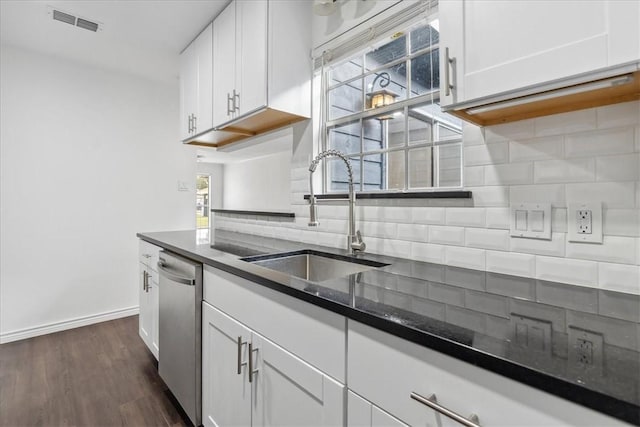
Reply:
x=637, y=139
x=466, y=217
x=488, y=154
x=583, y=273
x=386, y=230
x=413, y=232
x=473, y=175
x=625, y=167
x=556, y=171
x=547, y=148
x=621, y=222
x=472, y=134
x=446, y=235
x=624, y=114
x=511, y=263
x=395, y=248
x=559, y=220
x=601, y=142
x=428, y=215
x=498, y=218
x=538, y=193
x=613, y=249
x=427, y=252
x=465, y=257
x=619, y=277
x=611, y=194
x=553, y=247
x=484, y=238
x=490, y=196
x=394, y=214
x=559, y=124
x=523, y=129
x=509, y=174
x=365, y=213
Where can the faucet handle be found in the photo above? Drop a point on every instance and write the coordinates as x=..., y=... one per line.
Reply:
x=358, y=244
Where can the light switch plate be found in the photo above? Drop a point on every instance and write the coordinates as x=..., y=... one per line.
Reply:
x=531, y=220
x=584, y=222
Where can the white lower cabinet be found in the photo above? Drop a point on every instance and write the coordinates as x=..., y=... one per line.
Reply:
x=247, y=380
x=362, y=413
x=385, y=370
x=148, y=294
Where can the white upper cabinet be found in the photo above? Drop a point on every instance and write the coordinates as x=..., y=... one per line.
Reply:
x=196, y=85
x=261, y=69
x=240, y=69
x=503, y=46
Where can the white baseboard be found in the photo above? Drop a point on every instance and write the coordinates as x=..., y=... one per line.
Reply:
x=67, y=324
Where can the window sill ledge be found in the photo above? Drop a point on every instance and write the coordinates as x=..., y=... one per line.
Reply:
x=457, y=194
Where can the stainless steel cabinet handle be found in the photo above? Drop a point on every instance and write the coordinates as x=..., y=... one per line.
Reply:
x=432, y=403
x=251, y=370
x=175, y=277
x=195, y=124
x=190, y=123
x=240, y=362
x=144, y=281
x=236, y=96
x=229, y=100
x=447, y=75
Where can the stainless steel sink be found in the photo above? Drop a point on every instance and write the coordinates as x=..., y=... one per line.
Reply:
x=314, y=266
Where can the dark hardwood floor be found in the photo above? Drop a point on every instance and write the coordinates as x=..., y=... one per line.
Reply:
x=97, y=375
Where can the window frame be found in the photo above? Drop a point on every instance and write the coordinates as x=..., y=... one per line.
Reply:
x=404, y=106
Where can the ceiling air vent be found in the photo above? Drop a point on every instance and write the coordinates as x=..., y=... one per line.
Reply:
x=87, y=25
x=75, y=21
x=64, y=17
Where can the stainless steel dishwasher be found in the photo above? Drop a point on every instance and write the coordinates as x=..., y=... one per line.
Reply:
x=180, y=327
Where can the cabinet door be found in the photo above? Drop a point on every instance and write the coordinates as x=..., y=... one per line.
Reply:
x=154, y=313
x=224, y=66
x=144, y=317
x=509, y=45
x=188, y=89
x=204, y=50
x=362, y=413
x=290, y=392
x=226, y=395
x=251, y=54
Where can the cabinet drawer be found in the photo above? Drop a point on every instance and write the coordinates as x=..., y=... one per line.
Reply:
x=311, y=333
x=148, y=254
x=385, y=370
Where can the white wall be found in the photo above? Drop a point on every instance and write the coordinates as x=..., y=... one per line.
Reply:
x=89, y=158
x=216, y=171
x=262, y=184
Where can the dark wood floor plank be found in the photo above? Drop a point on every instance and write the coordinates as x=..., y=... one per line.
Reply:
x=98, y=375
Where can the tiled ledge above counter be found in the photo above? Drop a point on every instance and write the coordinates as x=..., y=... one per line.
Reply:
x=579, y=343
x=279, y=214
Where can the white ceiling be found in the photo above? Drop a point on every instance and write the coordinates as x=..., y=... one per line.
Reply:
x=143, y=37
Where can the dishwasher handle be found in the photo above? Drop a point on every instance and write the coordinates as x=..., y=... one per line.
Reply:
x=169, y=274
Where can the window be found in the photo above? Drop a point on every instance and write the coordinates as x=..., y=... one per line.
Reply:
x=382, y=110
x=202, y=201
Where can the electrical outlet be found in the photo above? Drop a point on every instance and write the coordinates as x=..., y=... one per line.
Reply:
x=586, y=349
x=585, y=222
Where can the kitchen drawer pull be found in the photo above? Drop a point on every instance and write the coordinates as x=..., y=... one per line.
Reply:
x=144, y=281
x=251, y=371
x=240, y=362
x=432, y=403
x=448, y=63
x=195, y=124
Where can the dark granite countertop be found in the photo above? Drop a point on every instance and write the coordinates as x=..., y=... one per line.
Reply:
x=579, y=343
